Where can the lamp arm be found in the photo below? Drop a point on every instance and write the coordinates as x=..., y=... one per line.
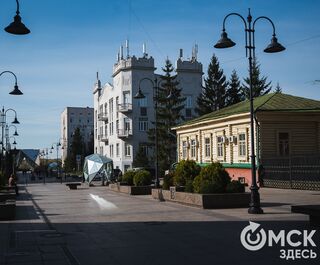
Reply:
x=15, y=77
x=146, y=78
x=266, y=18
x=245, y=27
x=18, y=12
x=11, y=110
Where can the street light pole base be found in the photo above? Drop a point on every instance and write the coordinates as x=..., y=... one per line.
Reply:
x=254, y=206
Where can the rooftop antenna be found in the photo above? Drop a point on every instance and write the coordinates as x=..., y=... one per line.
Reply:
x=144, y=50
x=98, y=81
x=127, y=47
x=121, y=52
x=118, y=57
x=181, y=53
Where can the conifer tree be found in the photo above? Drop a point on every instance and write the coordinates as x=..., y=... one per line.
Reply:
x=278, y=88
x=213, y=95
x=169, y=114
x=260, y=85
x=140, y=159
x=233, y=95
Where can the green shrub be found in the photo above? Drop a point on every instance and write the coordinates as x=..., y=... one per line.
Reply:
x=212, y=179
x=142, y=178
x=235, y=187
x=186, y=170
x=189, y=186
x=128, y=177
x=167, y=181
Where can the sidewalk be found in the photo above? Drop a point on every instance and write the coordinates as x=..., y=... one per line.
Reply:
x=57, y=226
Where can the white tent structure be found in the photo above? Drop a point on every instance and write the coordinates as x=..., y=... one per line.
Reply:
x=97, y=165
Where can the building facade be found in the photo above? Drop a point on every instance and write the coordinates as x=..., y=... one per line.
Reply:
x=287, y=140
x=121, y=122
x=72, y=118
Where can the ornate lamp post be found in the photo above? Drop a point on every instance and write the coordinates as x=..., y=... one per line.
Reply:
x=57, y=144
x=155, y=83
x=3, y=116
x=273, y=47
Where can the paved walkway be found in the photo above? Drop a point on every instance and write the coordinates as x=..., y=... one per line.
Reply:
x=93, y=225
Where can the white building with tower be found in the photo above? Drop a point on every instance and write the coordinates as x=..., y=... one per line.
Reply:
x=121, y=122
x=70, y=119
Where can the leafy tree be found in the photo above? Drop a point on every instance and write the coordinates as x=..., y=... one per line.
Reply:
x=213, y=95
x=90, y=145
x=169, y=113
x=77, y=148
x=260, y=85
x=140, y=159
x=234, y=90
x=278, y=88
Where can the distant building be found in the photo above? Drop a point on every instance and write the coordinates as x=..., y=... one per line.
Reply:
x=71, y=119
x=121, y=122
x=287, y=137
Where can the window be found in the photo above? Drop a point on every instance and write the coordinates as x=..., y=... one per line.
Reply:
x=207, y=147
x=143, y=124
x=127, y=149
x=189, y=102
x=117, y=106
x=145, y=149
x=126, y=124
x=143, y=102
x=111, y=128
x=184, y=149
x=111, y=109
x=117, y=149
x=126, y=97
x=106, y=130
x=283, y=143
x=220, y=146
x=117, y=125
x=242, y=144
x=193, y=148
x=111, y=150
x=143, y=111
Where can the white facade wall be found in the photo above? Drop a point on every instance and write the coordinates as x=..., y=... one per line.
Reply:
x=71, y=118
x=118, y=134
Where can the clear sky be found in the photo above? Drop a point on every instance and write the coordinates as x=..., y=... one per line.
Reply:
x=72, y=39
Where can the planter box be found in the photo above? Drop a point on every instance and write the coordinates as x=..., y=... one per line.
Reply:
x=205, y=201
x=7, y=210
x=131, y=190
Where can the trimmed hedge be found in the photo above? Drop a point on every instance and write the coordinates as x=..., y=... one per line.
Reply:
x=167, y=181
x=142, y=178
x=235, y=187
x=212, y=179
x=185, y=173
x=128, y=177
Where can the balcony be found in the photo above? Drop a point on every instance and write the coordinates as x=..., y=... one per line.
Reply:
x=124, y=133
x=103, y=116
x=103, y=138
x=125, y=107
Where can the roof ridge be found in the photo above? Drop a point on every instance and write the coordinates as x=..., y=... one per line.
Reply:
x=268, y=99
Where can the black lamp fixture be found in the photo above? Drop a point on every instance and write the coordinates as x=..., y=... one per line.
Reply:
x=15, y=133
x=17, y=27
x=273, y=47
x=16, y=91
x=139, y=94
x=224, y=42
x=15, y=121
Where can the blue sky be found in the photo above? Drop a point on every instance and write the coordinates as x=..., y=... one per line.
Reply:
x=72, y=39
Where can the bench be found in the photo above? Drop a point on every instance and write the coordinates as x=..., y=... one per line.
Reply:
x=74, y=185
x=312, y=210
x=7, y=210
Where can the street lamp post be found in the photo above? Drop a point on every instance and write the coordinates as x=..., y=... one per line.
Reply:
x=57, y=144
x=140, y=95
x=3, y=115
x=273, y=47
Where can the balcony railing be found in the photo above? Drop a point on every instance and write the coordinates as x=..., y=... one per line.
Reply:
x=103, y=138
x=103, y=116
x=124, y=133
x=125, y=107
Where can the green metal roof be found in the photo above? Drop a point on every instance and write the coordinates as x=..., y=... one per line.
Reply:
x=268, y=102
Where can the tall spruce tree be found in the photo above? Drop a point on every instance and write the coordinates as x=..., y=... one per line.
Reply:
x=278, y=88
x=234, y=94
x=213, y=95
x=260, y=85
x=169, y=113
